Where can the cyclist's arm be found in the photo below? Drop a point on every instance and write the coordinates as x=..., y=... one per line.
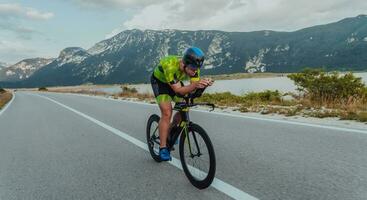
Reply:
x=183, y=90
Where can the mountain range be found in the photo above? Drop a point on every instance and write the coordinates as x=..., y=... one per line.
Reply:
x=23, y=69
x=3, y=65
x=130, y=56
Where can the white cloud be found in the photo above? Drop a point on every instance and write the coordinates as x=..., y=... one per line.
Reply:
x=10, y=9
x=18, y=11
x=117, y=4
x=12, y=16
x=13, y=46
x=240, y=15
x=34, y=14
x=11, y=51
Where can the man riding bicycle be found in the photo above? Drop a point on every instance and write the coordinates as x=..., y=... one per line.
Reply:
x=166, y=82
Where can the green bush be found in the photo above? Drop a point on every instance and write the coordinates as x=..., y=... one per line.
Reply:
x=223, y=98
x=42, y=89
x=126, y=89
x=2, y=90
x=265, y=96
x=364, y=94
x=252, y=98
x=323, y=87
x=359, y=116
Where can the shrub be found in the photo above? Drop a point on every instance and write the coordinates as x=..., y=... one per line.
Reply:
x=2, y=90
x=249, y=99
x=42, y=89
x=223, y=98
x=329, y=88
x=126, y=89
x=266, y=96
x=359, y=116
x=131, y=92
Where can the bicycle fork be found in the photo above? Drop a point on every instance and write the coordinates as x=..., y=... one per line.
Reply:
x=189, y=143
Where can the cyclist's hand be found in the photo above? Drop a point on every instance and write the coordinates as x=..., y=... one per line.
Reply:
x=203, y=83
x=207, y=82
x=210, y=81
x=200, y=85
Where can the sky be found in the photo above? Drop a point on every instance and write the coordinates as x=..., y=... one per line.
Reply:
x=42, y=28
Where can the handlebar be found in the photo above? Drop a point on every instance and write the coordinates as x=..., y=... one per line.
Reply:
x=189, y=100
x=205, y=104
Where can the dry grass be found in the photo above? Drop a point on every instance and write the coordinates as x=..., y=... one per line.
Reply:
x=78, y=91
x=131, y=92
x=5, y=97
x=268, y=102
x=127, y=93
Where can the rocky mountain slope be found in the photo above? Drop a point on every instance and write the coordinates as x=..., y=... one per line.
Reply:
x=131, y=55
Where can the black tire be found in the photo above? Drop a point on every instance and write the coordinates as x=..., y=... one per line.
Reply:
x=207, y=177
x=153, y=119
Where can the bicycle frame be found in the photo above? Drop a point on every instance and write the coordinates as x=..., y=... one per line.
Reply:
x=183, y=127
x=183, y=108
x=175, y=132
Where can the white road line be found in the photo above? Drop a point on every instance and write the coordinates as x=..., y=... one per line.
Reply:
x=217, y=183
x=245, y=117
x=8, y=104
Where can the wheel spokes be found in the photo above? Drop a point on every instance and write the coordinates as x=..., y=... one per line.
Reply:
x=197, y=156
x=154, y=139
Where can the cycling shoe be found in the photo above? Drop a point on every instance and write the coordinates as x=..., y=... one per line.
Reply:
x=164, y=154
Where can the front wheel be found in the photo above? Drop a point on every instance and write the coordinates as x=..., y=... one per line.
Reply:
x=152, y=134
x=197, y=156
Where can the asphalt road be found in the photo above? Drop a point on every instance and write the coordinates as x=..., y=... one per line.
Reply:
x=50, y=152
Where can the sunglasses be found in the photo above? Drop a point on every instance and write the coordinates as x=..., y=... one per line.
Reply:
x=192, y=68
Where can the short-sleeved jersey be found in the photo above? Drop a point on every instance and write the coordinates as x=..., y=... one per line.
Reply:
x=168, y=71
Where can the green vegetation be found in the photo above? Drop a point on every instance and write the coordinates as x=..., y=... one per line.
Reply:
x=250, y=99
x=330, y=89
x=2, y=90
x=131, y=92
x=267, y=96
x=359, y=116
x=42, y=89
x=343, y=94
x=321, y=94
x=127, y=89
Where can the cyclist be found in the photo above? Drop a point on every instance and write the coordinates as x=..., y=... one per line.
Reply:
x=166, y=82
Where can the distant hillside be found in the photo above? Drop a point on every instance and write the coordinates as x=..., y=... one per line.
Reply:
x=131, y=55
x=3, y=65
x=23, y=69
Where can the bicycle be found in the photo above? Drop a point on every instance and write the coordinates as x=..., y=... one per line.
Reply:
x=194, y=143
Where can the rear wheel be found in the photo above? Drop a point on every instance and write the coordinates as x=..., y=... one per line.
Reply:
x=153, y=137
x=197, y=156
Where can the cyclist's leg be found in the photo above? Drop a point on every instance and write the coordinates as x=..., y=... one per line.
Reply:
x=164, y=96
x=176, y=116
x=164, y=122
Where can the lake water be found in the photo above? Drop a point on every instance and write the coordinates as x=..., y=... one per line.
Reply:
x=238, y=87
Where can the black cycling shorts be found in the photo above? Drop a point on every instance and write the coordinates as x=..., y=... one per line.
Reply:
x=162, y=91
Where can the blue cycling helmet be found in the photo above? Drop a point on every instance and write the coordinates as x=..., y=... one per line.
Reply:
x=193, y=57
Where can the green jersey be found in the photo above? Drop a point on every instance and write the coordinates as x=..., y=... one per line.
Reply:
x=168, y=71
